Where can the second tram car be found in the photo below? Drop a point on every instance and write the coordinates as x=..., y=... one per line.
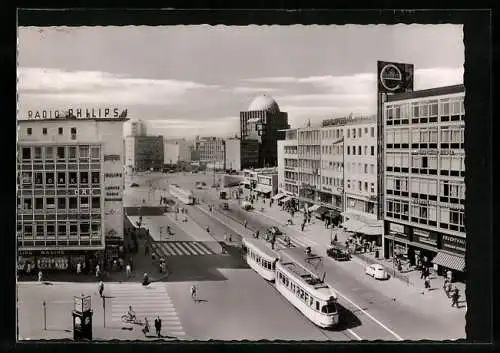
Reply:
x=260, y=258
x=184, y=196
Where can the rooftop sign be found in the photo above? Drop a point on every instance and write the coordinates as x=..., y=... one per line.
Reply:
x=78, y=113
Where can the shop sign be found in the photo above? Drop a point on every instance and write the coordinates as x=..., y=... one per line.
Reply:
x=444, y=152
x=424, y=202
x=42, y=252
x=112, y=199
x=334, y=122
x=112, y=158
x=394, y=77
x=101, y=113
x=397, y=228
x=454, y=243
x=428, y=152
x=112, y=175
x=327, y=189
x=424, y=236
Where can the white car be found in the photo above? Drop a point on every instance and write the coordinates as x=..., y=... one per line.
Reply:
x=376, y=271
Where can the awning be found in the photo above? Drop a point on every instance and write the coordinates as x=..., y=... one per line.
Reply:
x=449, y=261
x=313, y=208
x=278, y=196
x=371, y=230
x=352, y=225
x=263, y=189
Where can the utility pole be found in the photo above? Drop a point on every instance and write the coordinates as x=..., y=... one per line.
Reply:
x=44, y=315
x=104, y=309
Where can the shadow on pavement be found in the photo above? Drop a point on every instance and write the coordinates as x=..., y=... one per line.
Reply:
x=347, y=319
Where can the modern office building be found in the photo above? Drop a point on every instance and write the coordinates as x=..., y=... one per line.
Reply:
x=262, y=122
x=211, y=151
x=175, y=151
x=424, y=176
x=144, y=153
x=233, y=154
x=69, y=192
x=134, y=127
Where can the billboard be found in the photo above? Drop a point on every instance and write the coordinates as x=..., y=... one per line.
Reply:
x=394, y=77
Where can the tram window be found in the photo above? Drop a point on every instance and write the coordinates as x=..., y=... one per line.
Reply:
x=311, y=301
x=329, y=308
x=306, y=297
x=317, y=305
x=287, y=282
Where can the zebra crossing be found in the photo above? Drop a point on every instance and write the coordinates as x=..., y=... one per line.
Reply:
x=180, y=248
x=151, y=301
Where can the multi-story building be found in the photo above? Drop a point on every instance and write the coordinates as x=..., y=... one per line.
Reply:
x=263, y=181
x=69, y=192
x=288, y=180
x=424, y=176
x=144, y=153
x=233, y=154
x=134, y=127
x=262, y=122
x=211, y=151
x=175, y=151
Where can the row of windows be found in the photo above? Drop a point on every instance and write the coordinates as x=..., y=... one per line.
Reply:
x=331, y=181
x=351, y=133
x=59, y=229
x=361, y=168
x=60, y=153
x=290, y=149
x=63, y=203
x=426, y=109
x=451, y=137
x=309, y=136
x=449, y=165
x=60, y=131
x=332, y=150
x=331, y=133
x=337, y=166
x=305, y=297
x=309, y=150
x=294, y=189
x=309, y=178
x=59, y=178
x=351, y=150
x=359, y=185
x=308, y=163
x=427, y=189
x=426, y=214
x=268, y=265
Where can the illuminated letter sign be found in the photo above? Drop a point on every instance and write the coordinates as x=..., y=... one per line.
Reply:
x=394, y=77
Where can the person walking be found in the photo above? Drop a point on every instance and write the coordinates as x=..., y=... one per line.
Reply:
x=97, y=270
x=40, y=275
x=427, y=283
x=158, y=326
x=447, y=287
x=100, y=288
x=145, y=329
x=454, y=297
x=303, y=225
x=78, y=268
x=245, y=223
x=193, y=293
x=128, y=270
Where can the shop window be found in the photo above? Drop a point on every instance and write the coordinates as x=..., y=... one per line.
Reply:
x=61, y=203
x=38, y=203
x=72, y=203
x=26, y=151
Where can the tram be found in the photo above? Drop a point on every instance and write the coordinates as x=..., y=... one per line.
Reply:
x=182, y=195
x=308, y=293
x=260, y=258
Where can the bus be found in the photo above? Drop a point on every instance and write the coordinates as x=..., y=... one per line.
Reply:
x=260, y=257
x=308, y=293
x=182, y=195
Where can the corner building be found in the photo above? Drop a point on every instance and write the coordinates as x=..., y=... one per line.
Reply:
x=69, y=192
x=424, y=177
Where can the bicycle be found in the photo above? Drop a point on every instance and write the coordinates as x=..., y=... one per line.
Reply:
x=128, y=320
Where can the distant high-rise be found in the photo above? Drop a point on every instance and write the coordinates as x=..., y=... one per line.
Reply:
x=134, y=127
x=261, y=124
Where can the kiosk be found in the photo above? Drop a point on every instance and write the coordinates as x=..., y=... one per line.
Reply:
x=82, y=318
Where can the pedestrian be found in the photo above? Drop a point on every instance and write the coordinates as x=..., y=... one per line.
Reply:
x=78, y=268
x=245, y=223
x=128, y=269
x=193, y=293
x=449, y=276
x=100, y=288
x=427, y=283
x=40, y=275
x=447, y=287
x=422, y=273
x=303, y=225
x=158, y=326
x=97, y=270
x=454, y=297
x=145, y=329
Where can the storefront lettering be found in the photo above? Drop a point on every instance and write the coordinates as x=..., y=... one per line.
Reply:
x=112, y=194
x=113, y=199
x=430, y=152
x=398, y=228
x=453, y=243
x=112, y=157
x=112, y=175
x=76, y=113
x=112, y=188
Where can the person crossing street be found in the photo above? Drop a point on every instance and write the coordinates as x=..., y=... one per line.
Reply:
x=101, y=288
x=193, y=292
x=158, y=326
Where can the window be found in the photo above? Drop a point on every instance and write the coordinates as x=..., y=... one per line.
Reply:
x=359, y=132
x=348, y=133
x=84, y=177
x=51, y=203
x=49, y=178
x=38, y=153
x=366, y=130
x=61, y=178
x=61, y=153
x=28, y=230
x=38, y=178
x=359, y=149
x=73, y=229
x=72, y=153
x=372, y=187
x=61, y=203
x=38, y=203
x=60, y=130
x=72, y=203
x=49, y=154
x=359, y=185
x=61, y=230
x=372, y=132
x=29, y=131
x=366, y=168
x=366, y=186
x=72, y=178
x=95, y=152
x=27, y=203
x=365, y=150
x=372, y=169
x=73, y=133
x=353, y=133
x=84, y=229
x=40, y=230
x=26, y=153
x=372, y=150
x=348, y=149
x=84, y=152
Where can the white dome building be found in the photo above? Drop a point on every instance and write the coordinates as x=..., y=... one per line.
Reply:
x=264, y=103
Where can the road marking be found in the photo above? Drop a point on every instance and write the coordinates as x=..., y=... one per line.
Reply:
x=370, y=316
x=174, y=247
x=201, y=249
x=168, y=251
x=183, y=249
x=354, y=334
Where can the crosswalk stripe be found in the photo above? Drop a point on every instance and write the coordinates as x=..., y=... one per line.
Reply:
x=202, y=249
x=172, y=246
x=166, y=250
x=184, y=247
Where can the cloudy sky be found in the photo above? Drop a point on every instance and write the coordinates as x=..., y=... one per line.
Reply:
x=194, y=80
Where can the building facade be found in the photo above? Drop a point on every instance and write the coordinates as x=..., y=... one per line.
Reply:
x=144, y=153
x=69, y=192
x=262, y=181
x=263, y=122
x=134, y=127
x=176, y=150
x=233, y=154
x=424, y=177
x=211, y=151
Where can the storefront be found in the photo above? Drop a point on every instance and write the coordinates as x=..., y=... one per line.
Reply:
x=363, y=225
x=264, y=190
x=29, y=261
x=396, y=240
x=451, y=256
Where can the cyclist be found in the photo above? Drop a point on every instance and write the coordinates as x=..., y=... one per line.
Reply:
x=131, y=313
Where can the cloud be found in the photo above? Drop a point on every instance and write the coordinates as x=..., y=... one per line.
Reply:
x=96, y=87
x=216, y=126
x=255, y=90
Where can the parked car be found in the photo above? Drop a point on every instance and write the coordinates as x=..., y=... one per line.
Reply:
x=338, y=254
x=274, y=231
x=377, y=271
x=134, y=185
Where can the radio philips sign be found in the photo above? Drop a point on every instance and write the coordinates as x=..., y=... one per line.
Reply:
x=394, y=77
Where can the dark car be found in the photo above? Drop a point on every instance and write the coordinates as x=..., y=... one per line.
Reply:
x=274, y=231
x=338, y=254
x=134, y=185
x=225, y=206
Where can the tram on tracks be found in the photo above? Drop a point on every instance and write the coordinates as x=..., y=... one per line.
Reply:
x=260, y=257
x=314, y=298
x=182, y=195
